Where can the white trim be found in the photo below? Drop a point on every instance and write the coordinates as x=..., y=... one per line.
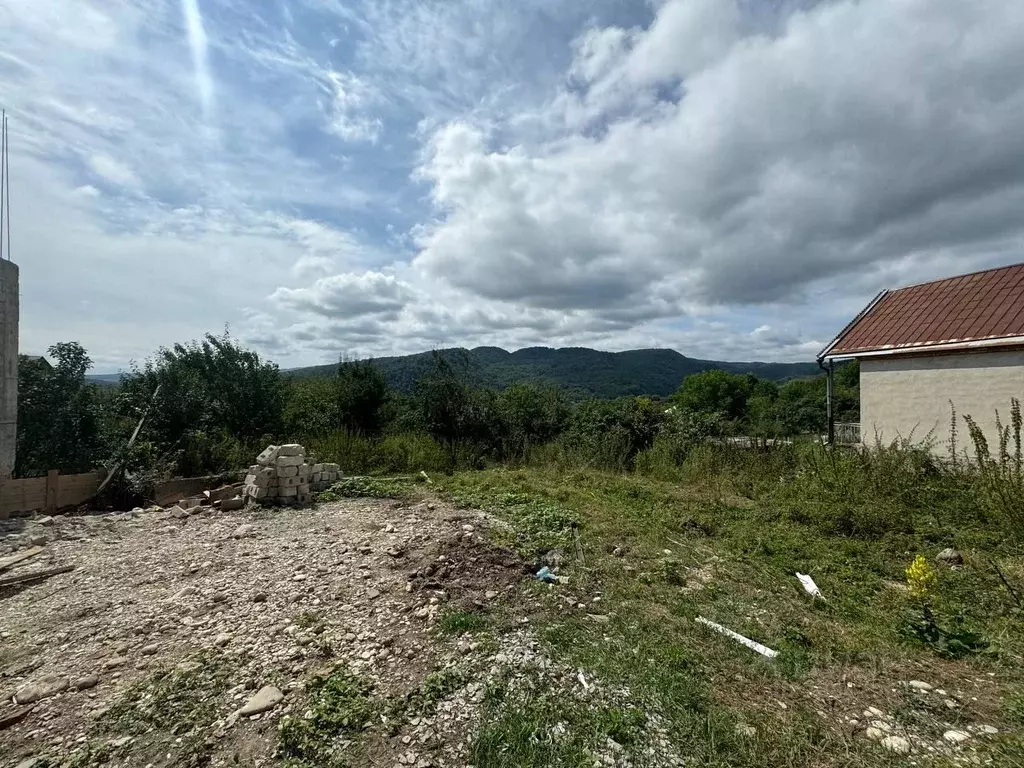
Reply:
x=951, y=346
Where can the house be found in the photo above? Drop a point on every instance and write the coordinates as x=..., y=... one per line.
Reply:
x=920, y=348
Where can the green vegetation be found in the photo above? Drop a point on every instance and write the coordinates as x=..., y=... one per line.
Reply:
x=724, y=542
x=364, y=488
x=461, y=622
x=340, y=706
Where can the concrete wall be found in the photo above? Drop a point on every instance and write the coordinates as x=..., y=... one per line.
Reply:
x=910, y=396
x=29, y=494
x=8, y=366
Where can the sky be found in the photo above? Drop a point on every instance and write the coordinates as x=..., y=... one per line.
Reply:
x=733, y=179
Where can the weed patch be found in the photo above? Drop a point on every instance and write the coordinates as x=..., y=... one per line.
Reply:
x=461, y=622
x=340, y=707
x=364, y=487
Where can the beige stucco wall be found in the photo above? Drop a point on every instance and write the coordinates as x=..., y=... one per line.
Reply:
x=900, y=397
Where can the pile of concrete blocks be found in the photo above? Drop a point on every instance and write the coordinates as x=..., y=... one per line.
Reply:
x=282, y=475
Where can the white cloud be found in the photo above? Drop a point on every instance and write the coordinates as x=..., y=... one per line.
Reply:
x=113, y=171
x=351, y=97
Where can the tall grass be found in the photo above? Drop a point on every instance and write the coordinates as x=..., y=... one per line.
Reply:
x=999, y=479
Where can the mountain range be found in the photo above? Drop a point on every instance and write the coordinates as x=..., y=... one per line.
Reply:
x=580, y=371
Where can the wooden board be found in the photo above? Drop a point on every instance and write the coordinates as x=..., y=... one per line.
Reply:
x=7, y=562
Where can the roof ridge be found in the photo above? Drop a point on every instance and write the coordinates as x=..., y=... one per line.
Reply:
x=956, y=277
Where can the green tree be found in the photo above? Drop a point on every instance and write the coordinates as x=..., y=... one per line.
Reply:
x=311, y=407
x=530, y=415
x=58, y=413
x=716, y=391
x=362, y=393
x=208, y=398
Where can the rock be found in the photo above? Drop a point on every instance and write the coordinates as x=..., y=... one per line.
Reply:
x=744, y=730
x=84, y=683
x=919, y=685
x=266, y=698
x=42, y=689
x=950, y=557
x=246, y=529
x=618, y=552
x=373, y=594
x=875, y=734
x=149, y=650
x=956, y=737
x=30, y=762
x=991, y=730
x=259, y=597
x=222, y=639
x=114, y=662
x=896, y=744
x=38, y=541
x=44, y=520
x=490, y=594
x=177, y=512
x=873, y=712
x=230, y=505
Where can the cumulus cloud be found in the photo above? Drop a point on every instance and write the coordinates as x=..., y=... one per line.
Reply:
x=348, y=295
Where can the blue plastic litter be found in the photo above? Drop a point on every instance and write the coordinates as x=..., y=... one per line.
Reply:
x=545, y=574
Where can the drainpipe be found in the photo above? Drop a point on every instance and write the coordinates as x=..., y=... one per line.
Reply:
x=828, y=400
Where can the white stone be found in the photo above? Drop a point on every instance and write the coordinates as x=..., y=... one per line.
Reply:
x=956, y=737
x=875, y=734
x=896, y=744
x=920, y=685
x=41, y=689
x=991, y=730
x=266, y=698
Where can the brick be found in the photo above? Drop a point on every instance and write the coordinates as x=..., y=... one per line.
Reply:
x=290, y=461
x=292, y=449
x=287, y=471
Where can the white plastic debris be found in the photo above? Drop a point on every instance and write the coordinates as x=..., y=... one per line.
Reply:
x=764, y=650
x=809, y=586
x=583, y=680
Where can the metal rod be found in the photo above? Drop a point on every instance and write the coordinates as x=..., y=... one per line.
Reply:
x=3, y=176
x=7, y=162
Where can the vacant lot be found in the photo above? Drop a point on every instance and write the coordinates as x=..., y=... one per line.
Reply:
x=411, y=631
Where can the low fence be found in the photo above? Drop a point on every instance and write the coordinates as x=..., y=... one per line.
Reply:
x=847, y=433
x=23, y=495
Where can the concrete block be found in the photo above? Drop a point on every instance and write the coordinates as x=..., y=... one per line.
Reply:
x=332, y=467
x=250, y=479
x=230, y=505
x=317, y=468
x=255, y=468
x=292, y=449
x=255, y=492
x=289, y=492
x=303, y=489
x=269, y=455
x=303, y=470
x=300, y=499
x=314, y=477
x=287, y=471
x=289, y=482
x=290, y=461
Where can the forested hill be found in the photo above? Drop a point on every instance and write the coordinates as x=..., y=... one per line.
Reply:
x=580, y=371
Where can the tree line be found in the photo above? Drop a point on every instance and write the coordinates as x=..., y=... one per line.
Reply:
x=209, y=405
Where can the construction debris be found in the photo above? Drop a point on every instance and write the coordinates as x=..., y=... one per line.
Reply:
x=809, y=586
x=19, y=578
x=7, y=562
x=281, y=474
x=764, y=650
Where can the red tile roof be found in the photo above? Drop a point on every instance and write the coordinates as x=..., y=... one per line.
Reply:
x=985, y=305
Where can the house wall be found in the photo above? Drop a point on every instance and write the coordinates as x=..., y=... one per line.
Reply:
x=910, y=396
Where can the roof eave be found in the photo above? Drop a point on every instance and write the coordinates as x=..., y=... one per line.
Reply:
x=824, y=354
x=955, y=346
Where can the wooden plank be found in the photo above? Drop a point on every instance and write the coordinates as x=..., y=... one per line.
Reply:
x=52, y=490
x=19, y=578
x=17, y=557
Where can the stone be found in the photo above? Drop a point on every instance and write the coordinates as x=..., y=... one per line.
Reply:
x=114, y=662
x=919, y=685
x=246, y=529
x=44, y=520
x=230, y=505
x=85, y=683
x=259, y=597
x=949, y=556
x=873, y=712
x=149, y=650
x=38, y=540
x=991, y=730
x=222, y=639
x=956, y=737
x=30, y=762
x=41, y=689
x=490, y=594
x=875, y=734
x=896, y=744
x=177, y=512
x=266, y=698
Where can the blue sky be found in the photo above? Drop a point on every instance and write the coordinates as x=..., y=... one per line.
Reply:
x=729, y=178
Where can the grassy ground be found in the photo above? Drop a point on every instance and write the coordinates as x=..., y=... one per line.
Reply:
x=725, y=543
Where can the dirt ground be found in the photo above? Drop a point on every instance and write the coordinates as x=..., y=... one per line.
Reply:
x=230, y=603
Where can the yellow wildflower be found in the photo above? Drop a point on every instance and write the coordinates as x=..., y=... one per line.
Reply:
x=920, y=577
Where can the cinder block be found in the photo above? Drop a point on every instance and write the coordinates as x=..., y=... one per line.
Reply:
x=289, y=492
x=287, y=471
x=230, y=505
x=314, y=477
x=317, y=468
x=303, y=470
x=269, y=455
x=289, y=482
x=292, y=449
x=332, y=467
x=290, y=461
x=254, y=469
x=300, y=499
x=256, y=492
x=250, y=479
x=303, y=489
